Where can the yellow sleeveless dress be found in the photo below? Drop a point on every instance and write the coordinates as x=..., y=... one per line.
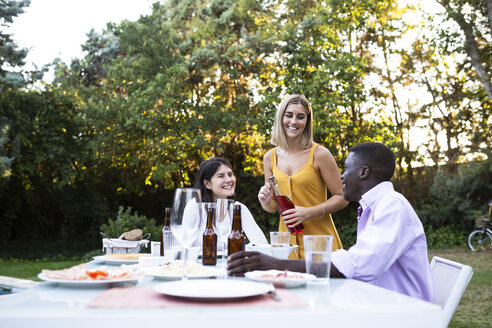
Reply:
x=306, y=188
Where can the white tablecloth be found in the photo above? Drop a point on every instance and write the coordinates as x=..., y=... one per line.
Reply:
x=340, y=303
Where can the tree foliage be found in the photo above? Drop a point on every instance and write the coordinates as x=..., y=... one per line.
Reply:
x=152, y=98
x=455, y=70
x=455, y=198
x=10, y=55
x=474, y=18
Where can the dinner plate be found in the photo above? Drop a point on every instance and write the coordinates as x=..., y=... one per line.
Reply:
x=278, y=252
x=87, y=283
x=213, y=289
x=157, y=273
x=101, y=258
x=277, y=278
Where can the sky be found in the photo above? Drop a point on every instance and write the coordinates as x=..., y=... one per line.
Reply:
x=58, y=28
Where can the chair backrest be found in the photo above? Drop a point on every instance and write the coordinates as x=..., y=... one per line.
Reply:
x=450, y=281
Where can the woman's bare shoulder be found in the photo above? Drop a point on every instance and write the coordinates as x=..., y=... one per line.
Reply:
x=268, y=155
x=322, y=151
x=323, y=158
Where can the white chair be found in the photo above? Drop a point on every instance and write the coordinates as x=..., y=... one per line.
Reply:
x=450, y=281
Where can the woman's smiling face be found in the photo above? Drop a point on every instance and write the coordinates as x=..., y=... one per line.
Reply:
x=294, y=120
x=223, y=182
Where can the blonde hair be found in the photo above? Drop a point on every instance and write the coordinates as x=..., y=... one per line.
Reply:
x=278, y=134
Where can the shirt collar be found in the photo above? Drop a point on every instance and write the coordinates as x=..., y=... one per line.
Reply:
x=371, y=196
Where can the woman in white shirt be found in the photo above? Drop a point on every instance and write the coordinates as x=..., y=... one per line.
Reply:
x=215, y=181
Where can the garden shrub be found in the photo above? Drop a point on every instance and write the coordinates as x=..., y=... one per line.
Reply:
x=126, y=221
x=455, y=198
x=445, y=237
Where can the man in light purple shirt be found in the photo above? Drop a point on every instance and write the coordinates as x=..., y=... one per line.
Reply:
x=391, y=249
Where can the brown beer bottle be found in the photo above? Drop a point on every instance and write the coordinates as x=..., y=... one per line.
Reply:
x=237, y=240
x=165, y=227
x=209, y=240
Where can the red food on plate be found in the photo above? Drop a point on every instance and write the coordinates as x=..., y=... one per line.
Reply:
x=95, y=274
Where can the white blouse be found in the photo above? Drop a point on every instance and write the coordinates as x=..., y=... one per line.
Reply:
x=249, y=225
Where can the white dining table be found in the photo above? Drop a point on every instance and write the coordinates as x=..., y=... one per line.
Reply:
x=337, y=303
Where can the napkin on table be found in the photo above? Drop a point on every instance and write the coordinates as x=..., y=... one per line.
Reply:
x=147, y=297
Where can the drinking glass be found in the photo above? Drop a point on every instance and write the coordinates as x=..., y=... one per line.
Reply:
x=279, y=239
x=205, y=207
x=187, y=220
x=317, y=252
x=169, y=245
x=223, y=223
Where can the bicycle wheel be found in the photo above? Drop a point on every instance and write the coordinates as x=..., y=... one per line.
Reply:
x=479, y=240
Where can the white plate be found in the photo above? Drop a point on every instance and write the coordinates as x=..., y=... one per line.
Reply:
x=157, y=273
x=278, y=252
x=213, y=289
x=87, y=283
x=101, y=258
x=284, y=282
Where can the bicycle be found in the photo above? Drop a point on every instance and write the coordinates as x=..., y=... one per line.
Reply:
x=481, y=238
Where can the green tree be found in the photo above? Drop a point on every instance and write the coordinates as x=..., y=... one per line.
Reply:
x=41, y=137
x=458, y=110
x=179, y=91
x=100, y=49
x=195, y=78
x=474, y=18
x=11, y=56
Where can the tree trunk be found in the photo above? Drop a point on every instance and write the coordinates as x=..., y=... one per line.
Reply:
x=470, y=43
x=489, y=11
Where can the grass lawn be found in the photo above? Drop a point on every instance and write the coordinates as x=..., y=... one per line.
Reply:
x=474, y=310
x=29, y=269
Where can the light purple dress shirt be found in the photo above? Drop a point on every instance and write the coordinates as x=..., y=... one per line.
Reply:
x=391, y=249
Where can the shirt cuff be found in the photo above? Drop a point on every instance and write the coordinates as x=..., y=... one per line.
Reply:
x=342, y=261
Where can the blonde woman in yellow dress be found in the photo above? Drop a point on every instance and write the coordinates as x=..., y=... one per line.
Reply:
x=305, y=171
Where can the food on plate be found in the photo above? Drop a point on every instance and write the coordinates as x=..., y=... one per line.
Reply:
x=125, y=256
x=281, y=275
x=282, y=279
x=175, y=268
x=81, y=272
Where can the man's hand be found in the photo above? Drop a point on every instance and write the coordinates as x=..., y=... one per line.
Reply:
x=241, y=262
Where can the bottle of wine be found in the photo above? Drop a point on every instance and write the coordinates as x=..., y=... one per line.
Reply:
x=166, y=227
x=283, y=204
x=237, y=240
x=209, y=240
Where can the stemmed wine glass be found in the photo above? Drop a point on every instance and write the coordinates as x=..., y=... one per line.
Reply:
x=223, y=223
x=187, y=220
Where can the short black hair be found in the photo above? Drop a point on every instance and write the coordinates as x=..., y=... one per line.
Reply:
x=206, y=172
x=379, y=157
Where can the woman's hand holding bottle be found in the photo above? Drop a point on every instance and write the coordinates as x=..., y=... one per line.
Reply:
x=295, y=216
x=266, y=195
x=267, y=198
